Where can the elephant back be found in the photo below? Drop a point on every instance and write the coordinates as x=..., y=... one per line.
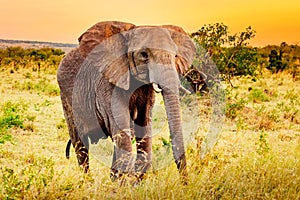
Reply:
x=99, y=32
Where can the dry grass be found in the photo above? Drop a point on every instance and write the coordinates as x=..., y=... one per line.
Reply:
x=257, y=155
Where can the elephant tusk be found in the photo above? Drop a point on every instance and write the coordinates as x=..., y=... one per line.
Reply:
x=184, y=90
x=156, y=87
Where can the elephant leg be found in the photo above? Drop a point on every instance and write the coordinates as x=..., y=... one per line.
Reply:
x=82, y=153
x=143, y=160
x=144, y=149
x=143, y=142
x=122, y=135
x=80, y=149
x=143, y=102
x=123, y=160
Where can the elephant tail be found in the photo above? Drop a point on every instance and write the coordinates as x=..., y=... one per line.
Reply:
x=68, y=149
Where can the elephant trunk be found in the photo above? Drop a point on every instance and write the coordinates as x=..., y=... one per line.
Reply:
x=172, y=105
x=169, y=83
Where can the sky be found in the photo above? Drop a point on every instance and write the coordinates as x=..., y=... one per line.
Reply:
x=274, y=21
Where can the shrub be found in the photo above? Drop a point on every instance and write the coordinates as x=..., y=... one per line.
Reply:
x=234, y=107
x=257, y=96
x=12, y=115
x=229, y=52
x=262, y=144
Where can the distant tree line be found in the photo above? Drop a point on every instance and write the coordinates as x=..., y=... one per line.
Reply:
x=14, y=58
x=48, y=44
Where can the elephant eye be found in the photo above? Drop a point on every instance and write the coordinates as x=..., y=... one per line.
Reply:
x=144, y=54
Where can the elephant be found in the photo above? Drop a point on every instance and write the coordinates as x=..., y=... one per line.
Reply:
x=108, y=86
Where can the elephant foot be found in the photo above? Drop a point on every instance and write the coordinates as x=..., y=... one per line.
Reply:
x=181, y=166
x=140, y=176
x=123, y=178
x=184, y=179
x=115, y=175
x=83, y=158
x=85, y=167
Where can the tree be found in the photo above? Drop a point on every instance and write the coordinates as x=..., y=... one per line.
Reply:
x=229, y=52
x=276, y=62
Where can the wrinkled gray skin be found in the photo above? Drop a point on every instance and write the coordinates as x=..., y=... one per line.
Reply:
x=107, y=94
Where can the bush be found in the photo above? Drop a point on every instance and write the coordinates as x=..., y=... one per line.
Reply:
x=233, y=108
x=12, y=115
x=229, y=52
x=282, y=57
x=257, y=96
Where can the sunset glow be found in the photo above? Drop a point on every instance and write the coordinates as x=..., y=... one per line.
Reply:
x=63, y=21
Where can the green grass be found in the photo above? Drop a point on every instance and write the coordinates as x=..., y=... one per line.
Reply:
x=43, y=86
x=257, y=155
x=12, y=115
x=256, y=95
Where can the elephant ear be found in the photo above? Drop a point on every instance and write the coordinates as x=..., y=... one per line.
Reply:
x=186, y=48
x=108, y=35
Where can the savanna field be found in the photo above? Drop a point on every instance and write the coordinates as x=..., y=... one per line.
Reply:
x=257, y=155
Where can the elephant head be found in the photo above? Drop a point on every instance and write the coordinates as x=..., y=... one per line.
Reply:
x=149, y=54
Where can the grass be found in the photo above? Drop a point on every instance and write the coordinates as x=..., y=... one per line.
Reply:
x=257, y=155
x=12, y=115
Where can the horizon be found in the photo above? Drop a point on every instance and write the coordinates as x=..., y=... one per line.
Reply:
x=61, y=21
x=67, y=43
x=36, y=41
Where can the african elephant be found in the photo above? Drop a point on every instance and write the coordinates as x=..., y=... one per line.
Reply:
x=108, y=86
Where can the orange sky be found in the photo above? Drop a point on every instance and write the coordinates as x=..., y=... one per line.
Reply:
x=64, y=20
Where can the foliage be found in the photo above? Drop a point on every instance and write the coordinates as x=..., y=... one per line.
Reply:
x=233, y=108
x=282, y=57
x=233, y=57
x=5, y=138
x=15, y=58
x=9, y=118
x=262, y=144
x=42, y=85
x=229, y=52
x=256, y=95
x=275, y=62
x=35, y=65
x=12, y=115
x=32, y=177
